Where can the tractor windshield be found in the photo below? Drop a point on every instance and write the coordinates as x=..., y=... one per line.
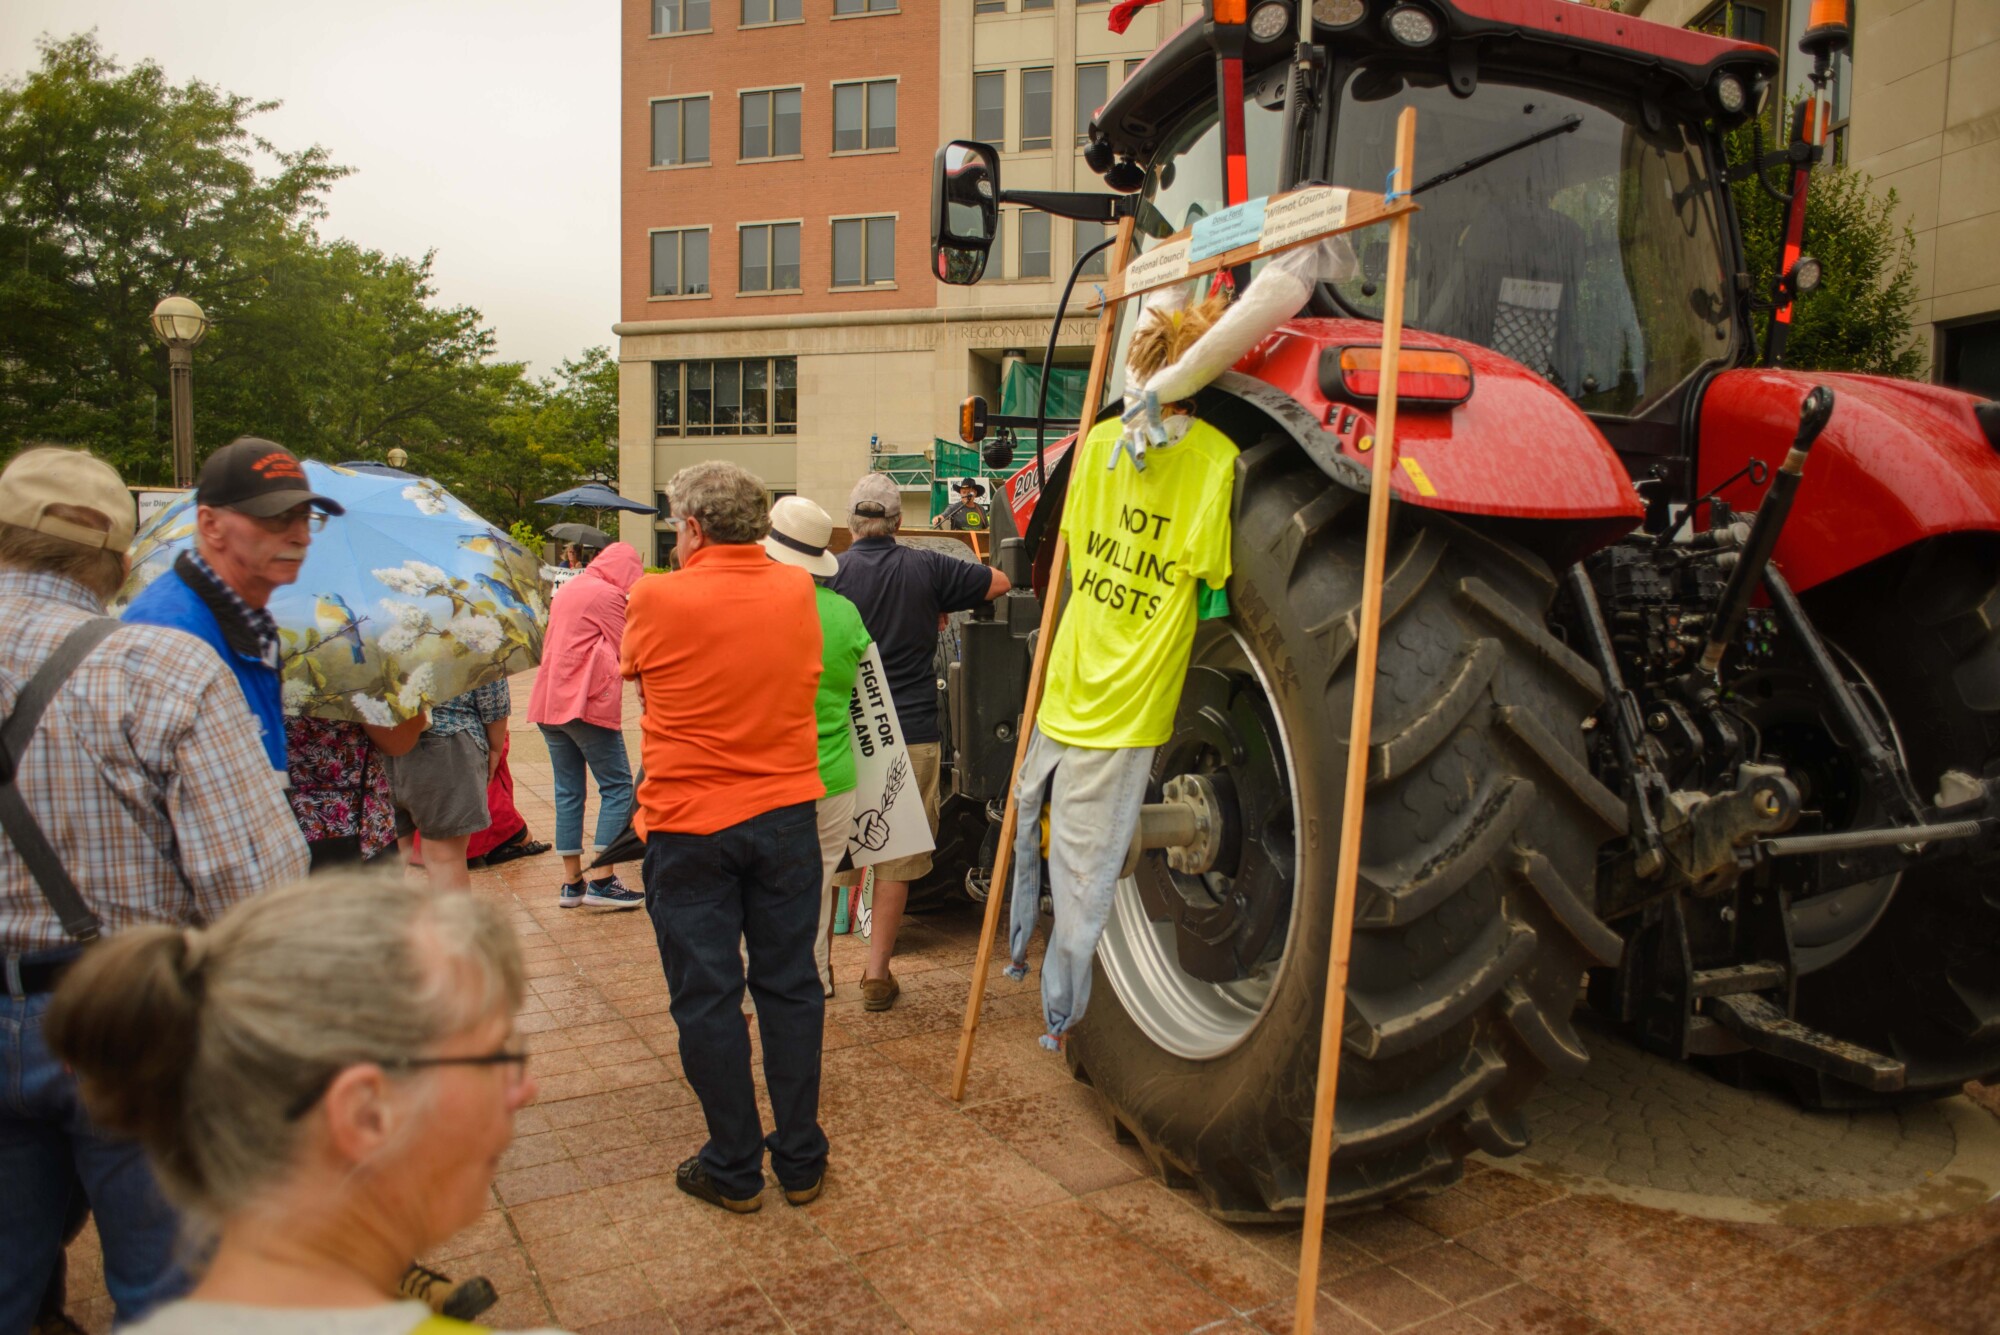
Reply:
x=1593, y=256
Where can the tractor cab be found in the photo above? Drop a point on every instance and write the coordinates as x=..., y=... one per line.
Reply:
x=1576, y=217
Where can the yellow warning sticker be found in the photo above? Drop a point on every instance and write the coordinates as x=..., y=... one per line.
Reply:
x=1418, y=476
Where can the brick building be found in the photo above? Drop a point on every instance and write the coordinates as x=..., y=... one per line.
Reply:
x=776, y=302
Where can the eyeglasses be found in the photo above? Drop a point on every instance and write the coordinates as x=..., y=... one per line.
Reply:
x=312, y=517
x=504, y=1057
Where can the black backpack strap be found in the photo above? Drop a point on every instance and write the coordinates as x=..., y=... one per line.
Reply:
x=20, y=824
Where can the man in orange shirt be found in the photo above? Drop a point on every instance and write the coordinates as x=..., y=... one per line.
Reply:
x=726, y=652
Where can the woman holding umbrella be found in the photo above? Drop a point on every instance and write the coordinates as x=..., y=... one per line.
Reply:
x=578, y=702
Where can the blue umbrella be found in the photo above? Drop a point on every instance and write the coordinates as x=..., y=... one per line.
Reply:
x=596, y=496
x=406, y=600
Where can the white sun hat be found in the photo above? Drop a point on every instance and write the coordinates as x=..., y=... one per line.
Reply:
x=800, y=531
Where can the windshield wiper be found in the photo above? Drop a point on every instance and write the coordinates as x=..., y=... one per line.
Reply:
x=1563, y=126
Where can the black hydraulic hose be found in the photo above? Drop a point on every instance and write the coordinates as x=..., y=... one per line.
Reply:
x=1749, y=571
x=1088, y=412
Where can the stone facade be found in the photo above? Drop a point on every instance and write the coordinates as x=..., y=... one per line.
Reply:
x=888, y=362
x=1922, y=119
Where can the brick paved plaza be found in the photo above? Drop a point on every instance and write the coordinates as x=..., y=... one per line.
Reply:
x=1020, y=1211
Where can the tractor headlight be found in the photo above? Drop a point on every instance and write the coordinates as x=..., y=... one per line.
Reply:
x=1730, y=95
x=1339, y=13
x=1806, y=274
x=1411, y=25
x=1269, y=21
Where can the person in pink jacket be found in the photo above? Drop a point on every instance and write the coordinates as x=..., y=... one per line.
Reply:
x=578, y=703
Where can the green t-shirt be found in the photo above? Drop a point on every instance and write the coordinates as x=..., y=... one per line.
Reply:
x=1140, y=546
x=843, y=639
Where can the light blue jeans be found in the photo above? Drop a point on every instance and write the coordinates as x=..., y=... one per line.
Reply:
x=1094, y=798
x=575, y=747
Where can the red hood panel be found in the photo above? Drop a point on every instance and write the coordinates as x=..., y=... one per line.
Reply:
x=1898, y=462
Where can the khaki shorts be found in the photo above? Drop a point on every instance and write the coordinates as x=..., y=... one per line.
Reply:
x=924, y=758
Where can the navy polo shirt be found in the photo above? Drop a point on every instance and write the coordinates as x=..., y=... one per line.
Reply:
x=901, y=592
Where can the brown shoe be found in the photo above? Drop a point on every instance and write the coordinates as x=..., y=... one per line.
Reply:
x=808, y=1194
x=692, y=1178
x=461, y=1300
x=879, y=994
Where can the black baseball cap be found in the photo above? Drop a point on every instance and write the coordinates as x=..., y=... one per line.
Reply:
x=259, y=478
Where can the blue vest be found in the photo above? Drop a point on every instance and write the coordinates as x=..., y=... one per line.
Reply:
x=169, y=601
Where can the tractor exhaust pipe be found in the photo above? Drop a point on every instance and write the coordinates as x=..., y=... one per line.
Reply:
x=1763, y=539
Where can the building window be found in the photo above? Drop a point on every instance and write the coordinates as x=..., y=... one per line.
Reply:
x=1027, y=5
x=989, y=6
x=864, y=251
x=996, y=252
x=753, y=396
x=1084, y=235
x=771, y=11
x=671, y=16
x=680, y=262
x=771, y=124
x=864, y=6
x=769, y=257
x=989, y=108
x=1971, y=357
x=680, y=131
x=1034, y=244
x=864, y=115
x=1037, y=110
x=1093, y=84
x=1132, y=66
x=1732, y=18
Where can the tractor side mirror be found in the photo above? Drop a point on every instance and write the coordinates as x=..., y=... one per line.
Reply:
x=972, y=420
x=965, y=210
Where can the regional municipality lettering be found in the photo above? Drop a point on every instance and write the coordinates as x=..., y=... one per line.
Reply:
x=1134, y=553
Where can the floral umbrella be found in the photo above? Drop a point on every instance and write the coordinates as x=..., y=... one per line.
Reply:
x=406, y=600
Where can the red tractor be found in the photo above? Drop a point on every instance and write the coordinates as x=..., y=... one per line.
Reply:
x=1689, y=693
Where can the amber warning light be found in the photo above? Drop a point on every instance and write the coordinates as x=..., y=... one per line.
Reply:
x=1827, y=27
x=1426, y=377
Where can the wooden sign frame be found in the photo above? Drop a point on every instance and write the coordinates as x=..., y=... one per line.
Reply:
x=1357, y=209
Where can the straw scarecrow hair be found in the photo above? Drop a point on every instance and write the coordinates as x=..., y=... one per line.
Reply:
x=1165, y=333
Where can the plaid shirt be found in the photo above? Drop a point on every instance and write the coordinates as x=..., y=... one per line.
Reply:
x=146, y=760
x=475, y=708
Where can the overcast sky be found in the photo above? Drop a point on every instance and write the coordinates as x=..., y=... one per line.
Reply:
x=486, y=130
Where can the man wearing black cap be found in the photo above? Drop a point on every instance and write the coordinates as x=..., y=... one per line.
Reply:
x=967, y=513
x=254, y=518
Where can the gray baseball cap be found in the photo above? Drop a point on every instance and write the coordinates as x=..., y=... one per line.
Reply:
x=876, y=496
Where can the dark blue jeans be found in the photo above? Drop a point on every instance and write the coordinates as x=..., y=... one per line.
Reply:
x=757, y=884
x=47, y=1148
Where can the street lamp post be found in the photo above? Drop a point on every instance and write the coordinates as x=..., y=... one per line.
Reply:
x=180, y=325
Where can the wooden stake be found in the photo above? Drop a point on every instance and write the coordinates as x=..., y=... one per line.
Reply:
x=1370, y=632
x=998, y=889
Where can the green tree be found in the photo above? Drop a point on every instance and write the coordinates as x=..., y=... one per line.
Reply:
x=549, y=434
x=1861, y=317
x=118, y=187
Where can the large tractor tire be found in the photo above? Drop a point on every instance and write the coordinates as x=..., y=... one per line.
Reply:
x=1923, y=984
x=1473, y=927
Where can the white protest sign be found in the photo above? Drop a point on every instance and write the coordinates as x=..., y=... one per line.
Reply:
x=889, y=819
x=557, y=576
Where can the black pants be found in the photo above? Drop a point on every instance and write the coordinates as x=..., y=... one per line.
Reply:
x=756, y=883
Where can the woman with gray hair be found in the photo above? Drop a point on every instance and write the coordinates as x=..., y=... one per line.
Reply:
x=325, y=1081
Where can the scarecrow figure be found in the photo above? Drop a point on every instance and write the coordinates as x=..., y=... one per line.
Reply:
x=1147, y=524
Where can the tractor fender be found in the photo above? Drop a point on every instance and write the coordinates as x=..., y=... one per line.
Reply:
x=1517, y=448
x=1899, y=461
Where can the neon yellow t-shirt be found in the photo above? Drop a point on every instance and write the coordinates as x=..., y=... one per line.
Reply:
x=1140, y=546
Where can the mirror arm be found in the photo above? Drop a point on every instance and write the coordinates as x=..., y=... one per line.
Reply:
x=1076, y=205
